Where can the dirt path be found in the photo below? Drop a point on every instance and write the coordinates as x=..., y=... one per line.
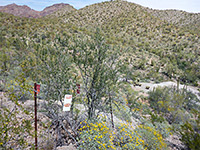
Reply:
x=143, y=86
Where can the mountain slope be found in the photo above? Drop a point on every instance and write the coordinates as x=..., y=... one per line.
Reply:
x=25, y=11
x=188, y=21
x=157, y=47
x=22, y=11
x=162, y=33
x=56, y=7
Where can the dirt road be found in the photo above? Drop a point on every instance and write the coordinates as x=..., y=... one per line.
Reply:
x=143, y=86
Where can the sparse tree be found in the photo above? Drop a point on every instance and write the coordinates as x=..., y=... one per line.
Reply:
x=97, y=63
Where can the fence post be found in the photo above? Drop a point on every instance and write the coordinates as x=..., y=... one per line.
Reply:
x=35, y=98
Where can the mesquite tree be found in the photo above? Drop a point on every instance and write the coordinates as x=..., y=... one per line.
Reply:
x=97, y=63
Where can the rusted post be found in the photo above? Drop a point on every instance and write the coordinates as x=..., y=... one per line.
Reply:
x=35, y=98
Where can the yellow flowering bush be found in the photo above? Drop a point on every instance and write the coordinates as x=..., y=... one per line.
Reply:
x=152, y=138
x=140, y=138
x=96, y=135
x=127, y=138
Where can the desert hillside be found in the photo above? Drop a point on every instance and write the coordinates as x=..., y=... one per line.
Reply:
x=133, y=74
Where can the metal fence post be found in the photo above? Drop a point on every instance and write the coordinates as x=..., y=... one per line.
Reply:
x=35, y=98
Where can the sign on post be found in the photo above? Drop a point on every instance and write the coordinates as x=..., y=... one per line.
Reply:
x=67, y=102
x=36, y=91
x=38, y=88
x=78, y=88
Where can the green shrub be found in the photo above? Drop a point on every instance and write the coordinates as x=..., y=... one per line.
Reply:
x=161, y=124
x=173, y=104
x=164, y=128
x=190, y=134
x=13, y=131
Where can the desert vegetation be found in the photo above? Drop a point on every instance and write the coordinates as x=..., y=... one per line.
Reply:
x=109, y=49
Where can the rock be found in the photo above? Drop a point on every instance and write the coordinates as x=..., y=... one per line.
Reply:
x=175, y=143
x=70, y=147
x=147, y=87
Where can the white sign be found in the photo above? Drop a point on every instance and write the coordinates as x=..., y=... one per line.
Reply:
x=67, y=102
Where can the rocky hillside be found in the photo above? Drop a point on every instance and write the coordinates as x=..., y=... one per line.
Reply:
x=170, y=34
x=165, y=40
x=25, y=11
x=115, y=52
x=56, y=7
x=188, y=21
x=177, y=17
